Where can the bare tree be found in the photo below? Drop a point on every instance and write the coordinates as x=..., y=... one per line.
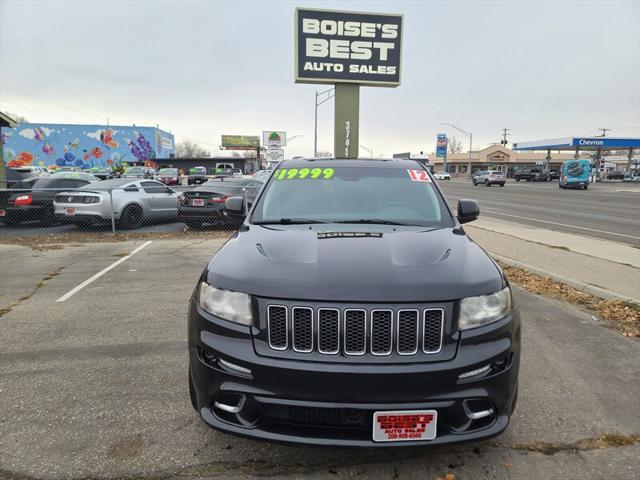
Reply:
x=190, y=149
x=454, y=145
x=18, y=118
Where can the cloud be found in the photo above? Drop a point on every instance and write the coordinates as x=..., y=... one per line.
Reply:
x=96, y=135
x=30, y=133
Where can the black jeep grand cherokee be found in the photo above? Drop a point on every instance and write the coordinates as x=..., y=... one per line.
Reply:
x=352, y=309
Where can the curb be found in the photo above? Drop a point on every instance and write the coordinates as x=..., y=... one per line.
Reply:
x=578, y=285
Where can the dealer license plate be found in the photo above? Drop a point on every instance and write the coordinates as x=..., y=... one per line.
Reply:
x=404, y=425
x=69, y=211
x=3, y=212
x=198, y=202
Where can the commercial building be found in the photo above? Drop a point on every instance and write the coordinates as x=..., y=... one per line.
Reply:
x=84, y=146
x=247, y=165
x=497, y=157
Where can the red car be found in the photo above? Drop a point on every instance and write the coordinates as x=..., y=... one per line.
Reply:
x=169, y=176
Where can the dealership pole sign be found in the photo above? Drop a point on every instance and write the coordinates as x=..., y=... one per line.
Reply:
x=274, y=139
x=441, y=145
x=347, y=49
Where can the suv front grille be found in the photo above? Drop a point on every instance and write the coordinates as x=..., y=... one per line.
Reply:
x=355, y=331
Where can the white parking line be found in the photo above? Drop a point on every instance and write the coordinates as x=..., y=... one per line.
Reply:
x=562, y=224
x=100, y=273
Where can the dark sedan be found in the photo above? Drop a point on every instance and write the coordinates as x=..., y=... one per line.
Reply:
x=33, y=201
x=205, y=204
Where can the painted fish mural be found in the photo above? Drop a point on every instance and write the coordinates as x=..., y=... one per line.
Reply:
x=84, y=146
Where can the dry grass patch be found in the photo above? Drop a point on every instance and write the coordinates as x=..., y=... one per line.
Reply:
x=58, y=241
x=621, y=315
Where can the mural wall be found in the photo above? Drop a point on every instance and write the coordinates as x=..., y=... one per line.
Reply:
x=84, y=146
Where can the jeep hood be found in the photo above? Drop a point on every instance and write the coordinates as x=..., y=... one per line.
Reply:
x=354, y=263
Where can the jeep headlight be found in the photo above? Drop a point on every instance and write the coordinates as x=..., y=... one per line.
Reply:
x=479, y=311
x=232, y=306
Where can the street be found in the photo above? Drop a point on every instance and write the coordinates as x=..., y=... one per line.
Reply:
x=605, y=210
x=98, y=386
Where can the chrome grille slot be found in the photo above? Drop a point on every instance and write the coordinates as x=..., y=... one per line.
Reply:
x=408, y=328
x=355, y=332
x=328, y=330
x=381, y=332
x=302, y=329
x=432, y=329
x=278, y=328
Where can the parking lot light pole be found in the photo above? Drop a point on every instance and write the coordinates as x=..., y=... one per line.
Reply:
x=330, y=94
x=468, y=134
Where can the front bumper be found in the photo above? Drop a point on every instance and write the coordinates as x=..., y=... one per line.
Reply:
x=333, y=403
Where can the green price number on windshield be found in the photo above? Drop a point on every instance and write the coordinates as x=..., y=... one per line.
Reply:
x=304, y=173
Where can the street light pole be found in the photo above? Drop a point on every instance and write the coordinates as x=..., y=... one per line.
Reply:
x=330, y=94
x=468, y=134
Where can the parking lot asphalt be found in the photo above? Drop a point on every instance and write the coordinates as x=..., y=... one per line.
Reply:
x=608, y=210
x=95, y=386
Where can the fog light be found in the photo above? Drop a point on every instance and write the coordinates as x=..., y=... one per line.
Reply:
x=475, y=373
x=208, y=357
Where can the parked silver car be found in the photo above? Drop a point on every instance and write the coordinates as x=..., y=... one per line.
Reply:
x=489, y=177
x=134, y=202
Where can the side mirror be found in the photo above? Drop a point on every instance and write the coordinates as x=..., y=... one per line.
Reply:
x=468, y=210
x=234, y=205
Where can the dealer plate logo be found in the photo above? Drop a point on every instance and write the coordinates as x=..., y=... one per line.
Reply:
x=405, y=425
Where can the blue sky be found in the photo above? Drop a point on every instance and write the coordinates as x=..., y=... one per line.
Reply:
x=203, y=69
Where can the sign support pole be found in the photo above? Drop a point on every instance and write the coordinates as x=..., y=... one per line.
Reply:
x=346, y=120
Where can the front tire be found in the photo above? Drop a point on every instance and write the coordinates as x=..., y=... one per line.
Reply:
x=475, y=183
x=11, y=222
x=131, y=217
x=192, y=393
x=487, y=183
x=502, y=184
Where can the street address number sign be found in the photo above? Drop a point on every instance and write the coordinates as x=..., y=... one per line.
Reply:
x=347, y=47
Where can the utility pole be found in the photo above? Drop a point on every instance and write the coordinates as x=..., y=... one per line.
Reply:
x=604, y=132
x=330, y=94
x=505, y=134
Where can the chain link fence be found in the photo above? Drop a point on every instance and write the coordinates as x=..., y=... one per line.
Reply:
x=113, y=205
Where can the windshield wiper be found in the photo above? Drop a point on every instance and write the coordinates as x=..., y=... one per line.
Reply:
x=287, y=221
x=376, y=221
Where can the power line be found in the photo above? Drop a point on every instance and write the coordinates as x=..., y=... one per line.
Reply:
x=52, y=103
x=604, y=132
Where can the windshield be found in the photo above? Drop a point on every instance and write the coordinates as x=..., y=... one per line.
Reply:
x=197, y=170
x=352, y=195
x=168, y=171
x=135, y=170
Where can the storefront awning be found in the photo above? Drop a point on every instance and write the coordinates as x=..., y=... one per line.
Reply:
x=580, y=143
